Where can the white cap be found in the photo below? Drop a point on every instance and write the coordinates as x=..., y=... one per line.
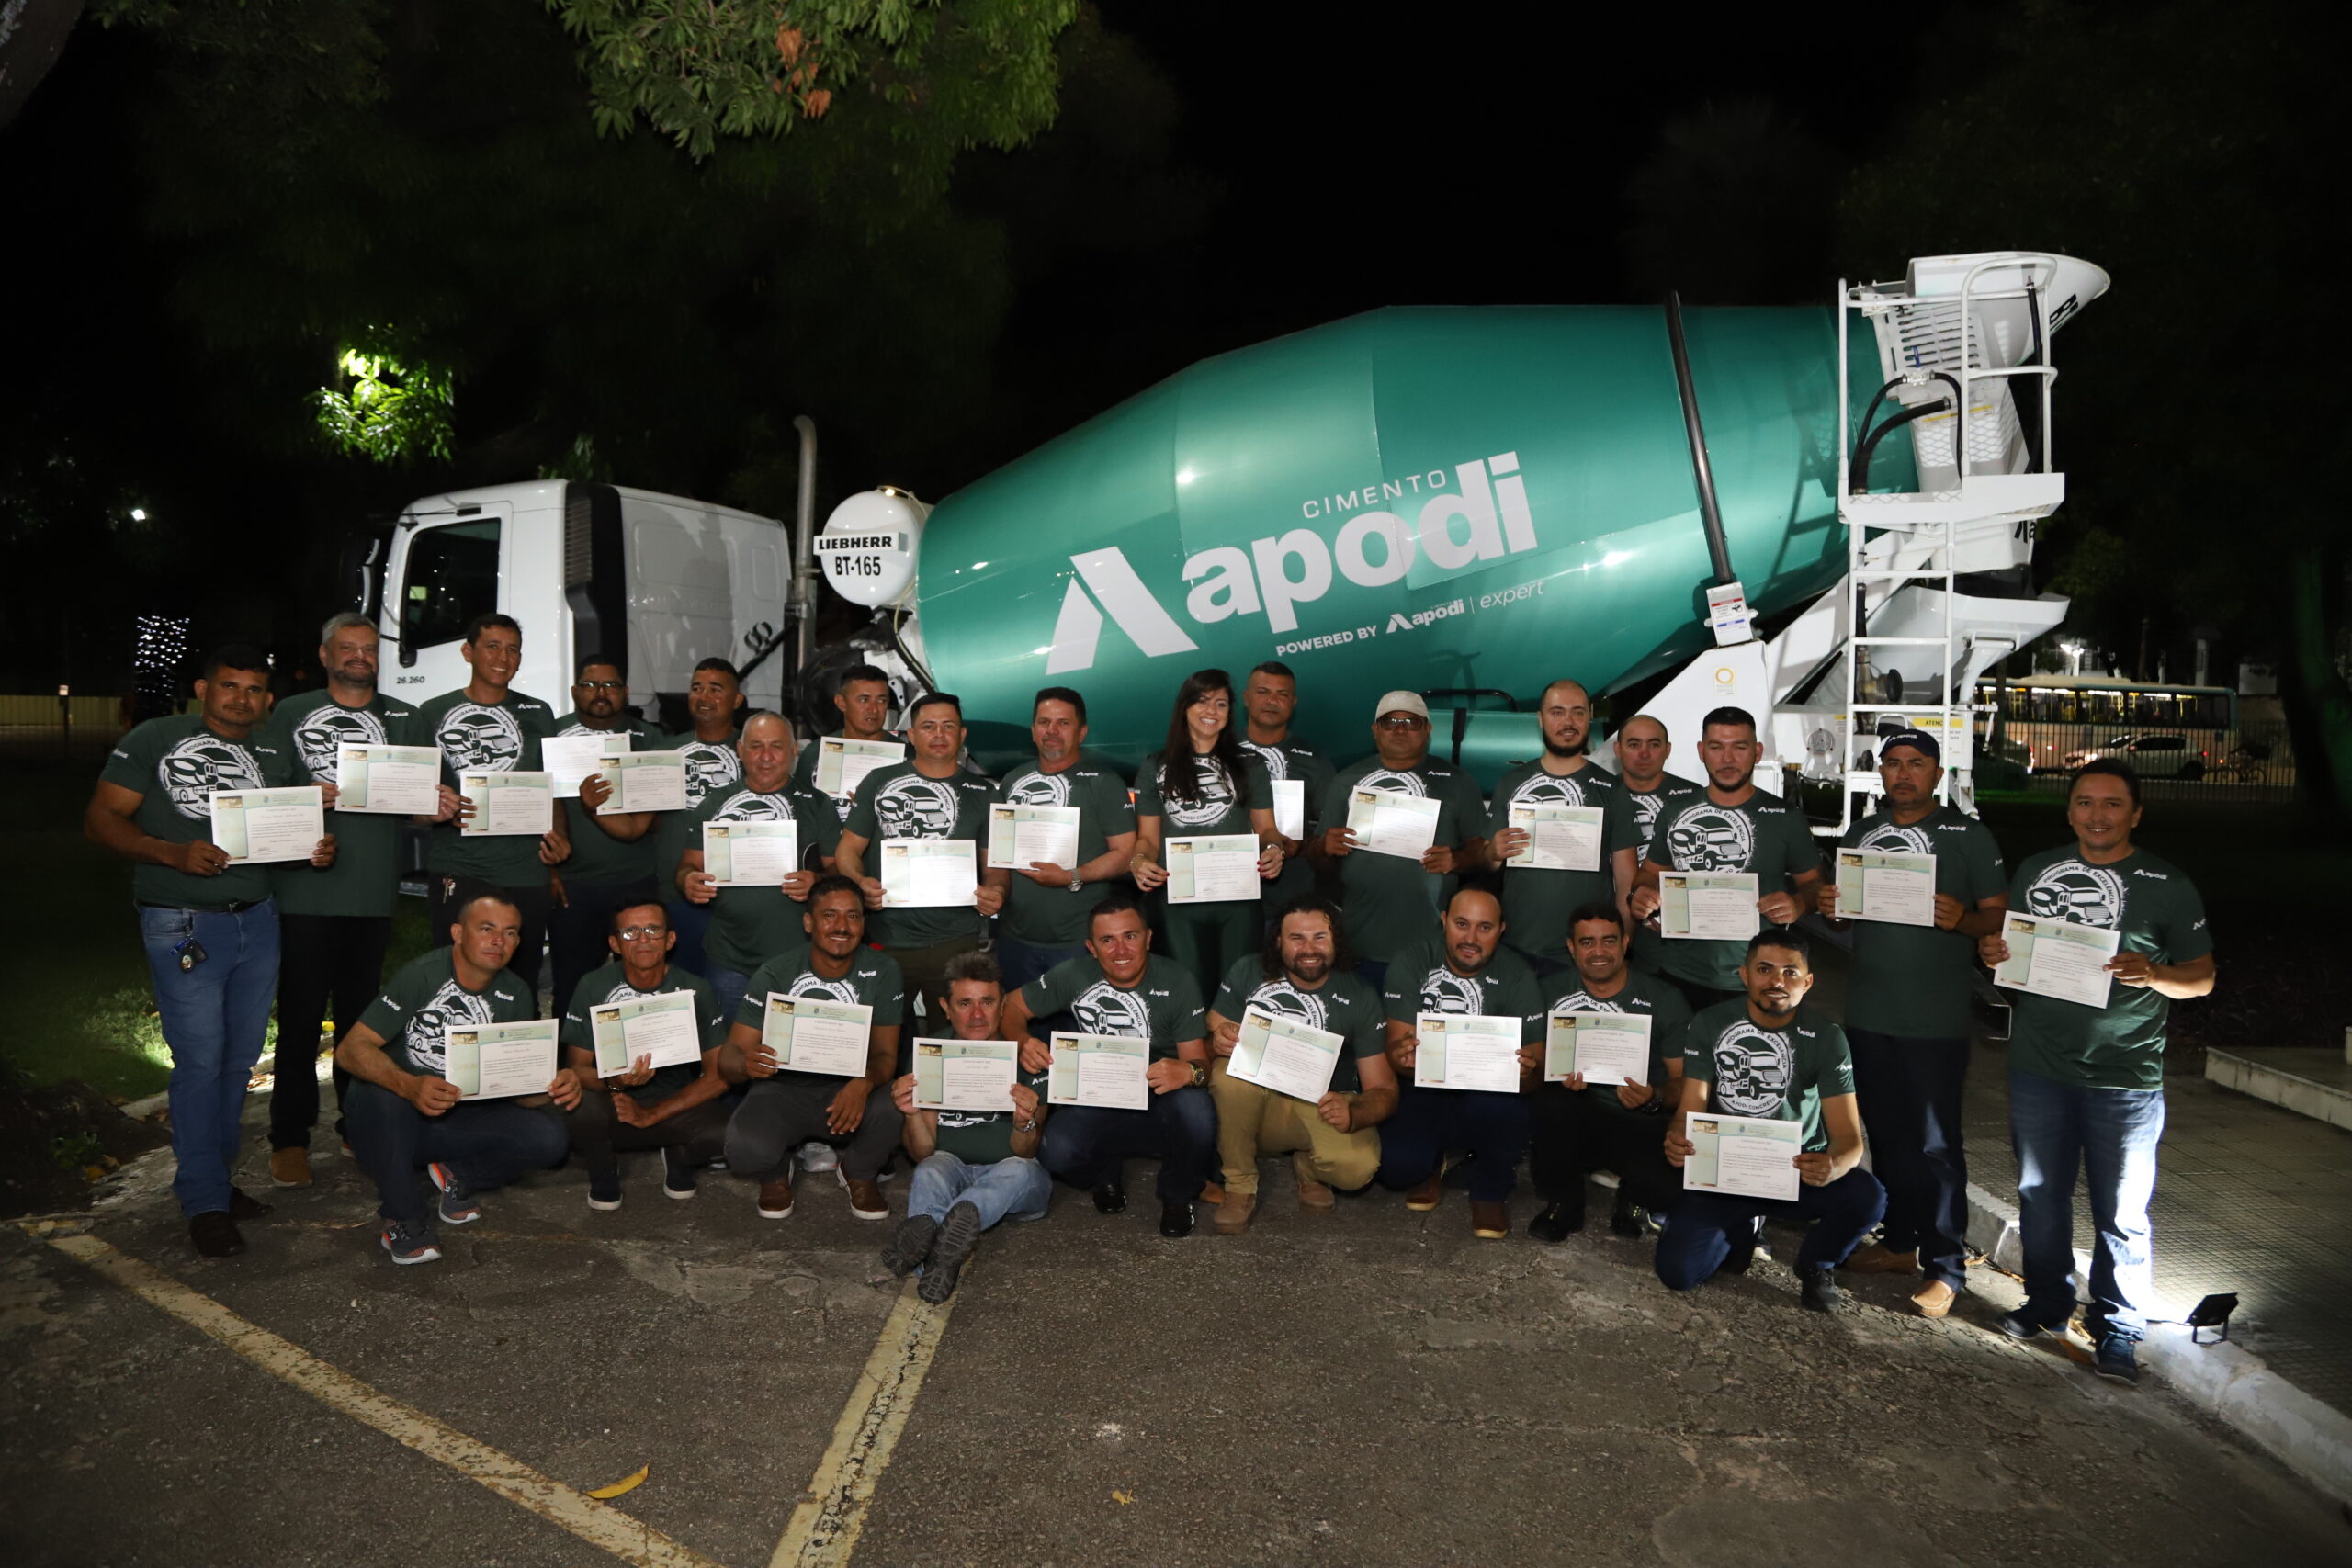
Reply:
x=1402, y=702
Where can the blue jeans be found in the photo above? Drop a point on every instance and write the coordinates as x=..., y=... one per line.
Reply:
x=1020, y=961
x=1086, y=1145
x=488, y=1142
x=1430, y=1121
x=727, y=986
x=2112, y=1133
x=1009, y=1189
x=1698, y=1233
x=216, y=1017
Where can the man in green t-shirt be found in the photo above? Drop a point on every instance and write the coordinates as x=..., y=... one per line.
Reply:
x=1908, y=1019
x=2086, y=1083
x=1046, y=905
x=1536, y=899
x=713, y=711
x=1578, y=1127
x=862, y=696
x=1460, y=967
x=487, y=726
x=933, y=796
x=1304, y=973
x=1270, y=699
x=611, y=863
x=209, y=927
x=975, y=1167
x=406, y=1116
x=1641, y=747
x=1761, y=1056
x=676, y=1107
x=1730, y=826
x=1388, y=901
x=1117, y=987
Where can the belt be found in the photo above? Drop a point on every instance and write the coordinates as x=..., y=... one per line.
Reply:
x=235, y=906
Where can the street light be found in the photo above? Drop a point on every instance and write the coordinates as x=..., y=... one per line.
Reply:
x=139, y=515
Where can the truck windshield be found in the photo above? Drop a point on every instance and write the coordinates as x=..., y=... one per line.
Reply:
x=452, y=577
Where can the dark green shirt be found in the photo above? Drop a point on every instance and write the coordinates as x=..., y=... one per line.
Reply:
x=1295, y=759
x=1055, y=916
x=1163, y=1005
x=1641, y=995
x=174, y=764
x=1387, y=902
x=1760, y=835
x=2159, y=912
x=1780, y=1074
x=1642, y=810
x=597, y=859
x=424, y=1001
x=1914, y=981
x=898, y=801
x=477, y=738
x=1536, y=902
x=873, y=981
x=1224, y=806
x=1343, y=1004
x=710, y=764
x=365, y=877
x=1419, y=980
x=984, y=1137
x=610, y=983
x=751, y=925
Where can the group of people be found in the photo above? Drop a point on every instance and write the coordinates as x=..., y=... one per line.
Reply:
x=1360, y=944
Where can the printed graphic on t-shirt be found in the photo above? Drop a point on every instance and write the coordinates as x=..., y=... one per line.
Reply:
x=809, y=983
x=1035, y=788
x=1646, y=808
x=330, y=725
x=1397, y=784
x=1444, y=991
x=913, y=807
x=1215, y=801
x=1540, y=788
x=1753, y=1069
x=1895, y=839
x=480, y=739
x=1277, y=761
x=1703, y=836
x=709, y=766
x=751, y=805
x=1285, y=1000
x=452, y=1007
x=1103, y=1008
x=203, y=762
x=2070, y=890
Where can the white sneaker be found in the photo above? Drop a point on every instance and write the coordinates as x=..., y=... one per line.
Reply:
x=1606, y=1179
x=817, y=1156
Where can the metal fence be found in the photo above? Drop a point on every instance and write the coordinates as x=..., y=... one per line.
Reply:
x=100, y=713
x=2253, y=764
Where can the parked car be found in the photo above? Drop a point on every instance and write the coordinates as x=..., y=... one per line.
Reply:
x=2152, y=756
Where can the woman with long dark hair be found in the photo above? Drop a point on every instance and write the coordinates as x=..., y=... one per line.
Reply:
x=1204, y=785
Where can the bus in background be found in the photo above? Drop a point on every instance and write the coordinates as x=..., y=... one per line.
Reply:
x=2165, y=729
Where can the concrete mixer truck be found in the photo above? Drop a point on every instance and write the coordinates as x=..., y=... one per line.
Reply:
x=1824, y=515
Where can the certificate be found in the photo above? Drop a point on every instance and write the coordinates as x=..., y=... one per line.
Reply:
x=494, y=1061
x=809, y=1034
x=662, y=1026
x=507, y=804
x=966, y=1075
x=1388, y=822
x=1286, y=1056
x=843, y=763
x=1104, y=1070
x=401, y=780
x=751, y=854
x=1218, y=869
x=2057, y=959
x=1607, y=1048
x=254, y=827
x=1023, y=836
x=928, y=873
x=1290, y=808
x=1743, y=1156
x=570, y=758
x=1559, y=837
x=1466, y=1050
x=1707, y=905
x=1887, y=884
x=645, y=780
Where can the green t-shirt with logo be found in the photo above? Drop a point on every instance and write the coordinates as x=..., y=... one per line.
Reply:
x=1388, y=901
x=1914, y=981
x=1642, y=809
x=424, y=1000
x=597, y=859
x=1224, y=802
x=2158, y=911
x=1419, y=980
x=872, y=980
x=1642, y=996
x=1760, y=834
x=1295, y=759
x=1343, y=1004
x=1536, y=902
x=899, y=802
x=485, y=738
x=751, y=925
x=610, y=983
x=1163, y=1005
x=1780, y=1074
x=1056, y=917
x=984, y=1137
x=710, y=764
x=365, y=878
x=174, y=764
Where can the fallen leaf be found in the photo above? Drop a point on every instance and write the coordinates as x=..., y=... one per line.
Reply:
x=605, y=1494
x=1122, y=1497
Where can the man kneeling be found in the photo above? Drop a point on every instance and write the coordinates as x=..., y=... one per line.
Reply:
x=977, y=1167
x=1760, y=1058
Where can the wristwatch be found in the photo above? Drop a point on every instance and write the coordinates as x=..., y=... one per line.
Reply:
x=1076, y=883
x=1200, y=1074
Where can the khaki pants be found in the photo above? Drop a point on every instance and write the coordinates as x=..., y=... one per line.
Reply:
x=1251, y=1120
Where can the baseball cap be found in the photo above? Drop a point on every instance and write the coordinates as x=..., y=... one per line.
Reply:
x=1919, y=741
x=1402, y=702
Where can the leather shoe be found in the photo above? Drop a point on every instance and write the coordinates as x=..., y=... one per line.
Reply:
x=1176, y=1221
x=289, y=1168
x=241, y=1206
x=1556, y=1222
x=215, y=1234
x=1232, y=1216
x=1878, y=1259
x=1934, y=1299
x=1111, y=1197
x=1490, y=1221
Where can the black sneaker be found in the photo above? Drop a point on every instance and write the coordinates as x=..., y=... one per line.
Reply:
x=1111, y=1197
x=2025, y=1323
x=2118, y=1358
x=957, y=1237
x=677, y=1173
x=214, y=1233
x=1557, y=1221
x=1819, y=1289
x=1624, y=1219
x=1743, y=1246
x=1176, y=1221
x=910, y=1244
x=243, y=1205
x=408, y=1244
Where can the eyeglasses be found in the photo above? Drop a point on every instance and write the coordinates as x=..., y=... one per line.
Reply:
x=643, y=933
x=604, y=685
x=1407, y=722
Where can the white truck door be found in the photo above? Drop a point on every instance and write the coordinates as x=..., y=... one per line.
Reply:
x=442, y=573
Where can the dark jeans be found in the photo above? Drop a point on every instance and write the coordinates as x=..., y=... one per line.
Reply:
x=488, y=1143
x=324, y=961
x=2112, y=1135
x=781, y=1113
x=1086, y=1145
x=1428, y=1122
x=1698, y=1233
x=691, y=922
x=577, y=929
x=1571, y=1136
x=1022, y=962
x=1908, y=1092
x=600, y=1138
x=448, y=894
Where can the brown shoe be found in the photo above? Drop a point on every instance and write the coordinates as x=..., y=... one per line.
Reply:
x=1316, y=1198
x=1488, y=1221
x=1877, y=1259
x=866, y=1200
x=289, y=1168
x=1234, y=1215
x=775, y=1199
x=1212, y=1193
x=1423, y=1198
x=1934, y=1299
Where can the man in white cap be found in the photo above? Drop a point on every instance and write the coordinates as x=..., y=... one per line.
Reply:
x=1390, y=900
